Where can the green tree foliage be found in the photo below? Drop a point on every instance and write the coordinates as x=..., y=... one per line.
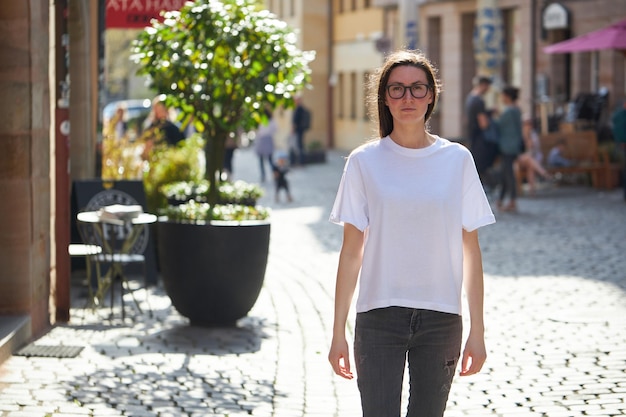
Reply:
x=220, y=63
x=170, y=164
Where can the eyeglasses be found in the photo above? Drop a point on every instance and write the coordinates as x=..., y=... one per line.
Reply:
x=417, y=90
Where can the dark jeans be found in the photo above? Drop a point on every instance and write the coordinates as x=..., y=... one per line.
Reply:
x=507, y=178
x=262, y=159
x=624, y=170
x=384, y=338
x=228, y=159
x=300, y=146
x=485, y=154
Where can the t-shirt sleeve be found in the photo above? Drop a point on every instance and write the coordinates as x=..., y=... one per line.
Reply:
x=350, y=203
x=476, y=209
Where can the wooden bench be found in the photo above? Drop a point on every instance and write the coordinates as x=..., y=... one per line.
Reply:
x=582, y=149
x=609, y=175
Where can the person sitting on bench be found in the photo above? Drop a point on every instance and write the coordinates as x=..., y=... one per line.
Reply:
x=556, y=157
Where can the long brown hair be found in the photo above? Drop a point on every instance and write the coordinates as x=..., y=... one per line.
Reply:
x=377, y=108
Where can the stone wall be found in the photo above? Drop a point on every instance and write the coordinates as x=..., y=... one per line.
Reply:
x=25, y=208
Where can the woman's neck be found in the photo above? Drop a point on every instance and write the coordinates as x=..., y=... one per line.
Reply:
x=412, y=138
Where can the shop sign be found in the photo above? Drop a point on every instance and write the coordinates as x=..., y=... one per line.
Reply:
x=555, y=16
x=136, y=14
x=93, y=194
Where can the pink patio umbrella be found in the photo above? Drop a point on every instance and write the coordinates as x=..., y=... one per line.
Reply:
x=610, y=37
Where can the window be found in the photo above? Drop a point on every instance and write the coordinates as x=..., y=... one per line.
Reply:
x=353, y=95
x=338, y=6
x=340, y=96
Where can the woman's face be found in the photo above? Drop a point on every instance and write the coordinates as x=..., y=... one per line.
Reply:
x=411, y=81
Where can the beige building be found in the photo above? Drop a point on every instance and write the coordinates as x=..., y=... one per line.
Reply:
x=344, y=35
x=358, y=34
x=310, y=18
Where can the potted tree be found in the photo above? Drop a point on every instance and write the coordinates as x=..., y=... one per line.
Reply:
x=220, y=63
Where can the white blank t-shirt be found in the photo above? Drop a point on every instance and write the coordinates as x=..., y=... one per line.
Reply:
x=413, y=205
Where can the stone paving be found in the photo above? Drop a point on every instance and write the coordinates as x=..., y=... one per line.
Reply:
x=555, y=309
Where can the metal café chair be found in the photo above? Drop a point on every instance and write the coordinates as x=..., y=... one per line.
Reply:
x=89, y=252
x=116, y=235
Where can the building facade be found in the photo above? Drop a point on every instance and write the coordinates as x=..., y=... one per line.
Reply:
x=26, y=209
x=40, y=153
x=562, y=79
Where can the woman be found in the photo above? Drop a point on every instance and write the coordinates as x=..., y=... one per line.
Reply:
x=264, y=142
x=410, y=203
x=510, y=145
x=530, y=160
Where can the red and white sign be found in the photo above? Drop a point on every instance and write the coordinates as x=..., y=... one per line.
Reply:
x=137, y=14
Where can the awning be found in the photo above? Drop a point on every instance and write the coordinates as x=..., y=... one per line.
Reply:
x=610, y=37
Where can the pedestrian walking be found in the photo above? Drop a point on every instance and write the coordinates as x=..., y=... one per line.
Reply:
x=510, y=146
x=410, y=203
x=483, y=148
x=264, y=142
x=230, y=147
x=301, y=122
x=618, y=127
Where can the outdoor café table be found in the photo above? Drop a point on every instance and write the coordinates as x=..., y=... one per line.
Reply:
x=133, y=220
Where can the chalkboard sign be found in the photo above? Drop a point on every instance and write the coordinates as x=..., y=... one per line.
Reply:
x=90, y=195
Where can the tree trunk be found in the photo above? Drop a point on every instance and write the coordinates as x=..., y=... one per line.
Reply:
x=214, y=150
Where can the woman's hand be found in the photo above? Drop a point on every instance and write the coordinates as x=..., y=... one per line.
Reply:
x=339, y=358
x=474, y=354
x=350, y=259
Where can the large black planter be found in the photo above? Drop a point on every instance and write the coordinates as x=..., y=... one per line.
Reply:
x=213, y=274
x=315, y=157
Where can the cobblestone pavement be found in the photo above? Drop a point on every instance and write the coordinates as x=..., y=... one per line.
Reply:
x=555, y=276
